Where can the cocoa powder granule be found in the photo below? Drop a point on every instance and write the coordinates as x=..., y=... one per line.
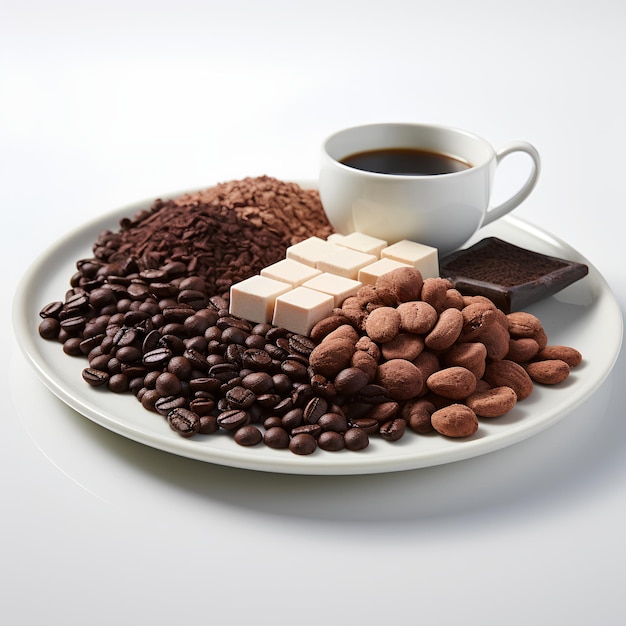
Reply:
x=224, y=234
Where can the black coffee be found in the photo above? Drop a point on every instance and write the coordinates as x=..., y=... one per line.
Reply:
x=405, y=161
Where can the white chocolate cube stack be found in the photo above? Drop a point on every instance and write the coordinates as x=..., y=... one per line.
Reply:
x=317, y=275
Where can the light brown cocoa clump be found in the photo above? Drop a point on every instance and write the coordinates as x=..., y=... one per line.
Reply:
x=509, y=374
x=400, y=378
x=454, y=383
x=455, y=420
x=493, y=402
x=383, y=324
x=331, y=356
x=548, y=372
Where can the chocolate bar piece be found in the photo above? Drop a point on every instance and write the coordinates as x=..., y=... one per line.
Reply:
x=510, y=276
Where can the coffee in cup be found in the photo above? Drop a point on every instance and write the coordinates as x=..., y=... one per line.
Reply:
x=427, y=183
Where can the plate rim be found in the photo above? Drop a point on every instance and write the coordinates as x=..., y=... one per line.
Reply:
x=285, y=461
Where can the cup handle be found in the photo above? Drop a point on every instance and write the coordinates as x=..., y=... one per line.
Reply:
x=493, y=213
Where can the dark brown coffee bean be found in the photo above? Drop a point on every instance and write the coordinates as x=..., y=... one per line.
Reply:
x=168, y=403
x=118, y=383
x=368, y=424
x=258, y=382
x=350, y=380
x=356, y=439
x=276, y=437
x=302, y=394
x=248, y=436
x=276, y=332
x=384, y=411
x=315, y=408
x=282, y=383
x=292, y=419
x=301, y=344
x=185, y=422
x=157, y=357
x=331, y=441
x=232, y=419
x=168, y=384
x=272, y=421
x=284, y=405
x=49, y=328
x=72, y=346
x=209, y=384
x=177, y=313
x=235, y=335
x=208, y=424
x=256, y=359
x=294, y=369
x=393, y=429
x=333, y=421
x=240, y=397
x=233, y=322
x=303, y=444
x=373, y=394
x=95, y=377
x=202, y=406
x=51, y=310
x=74, y=324
x=128, y=354
x=270, y=400
x=315, y=430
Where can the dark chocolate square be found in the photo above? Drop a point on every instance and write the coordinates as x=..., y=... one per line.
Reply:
x=510, y=276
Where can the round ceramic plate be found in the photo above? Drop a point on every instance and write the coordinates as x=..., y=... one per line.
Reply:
x=577, y=316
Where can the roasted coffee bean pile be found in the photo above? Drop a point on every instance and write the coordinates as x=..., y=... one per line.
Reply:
x=223, y=234
x=158, y=335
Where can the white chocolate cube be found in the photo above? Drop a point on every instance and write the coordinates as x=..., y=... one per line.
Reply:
x=345, y=262
x=253, y=298
x=290, y=271
x=310, y=251
x=301, y=308
x=363, y=243
x=370, y=273
x=338, y=287
x=419, y=255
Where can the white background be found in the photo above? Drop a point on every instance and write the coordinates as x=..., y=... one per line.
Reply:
x=102, y=104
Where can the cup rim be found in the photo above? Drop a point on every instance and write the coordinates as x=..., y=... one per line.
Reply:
x=413, y=125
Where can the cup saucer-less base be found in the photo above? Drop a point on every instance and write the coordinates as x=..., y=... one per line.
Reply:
x=577, y=316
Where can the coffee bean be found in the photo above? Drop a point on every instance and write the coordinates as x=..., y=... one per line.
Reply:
x=256, y=359
x=315, y=408
x=301, y=344
x=292, y=419
x=350, y=380
x=331, y=441
x=157, y=357
x=164, y=405
x=356, y=439
x=276, y=437
x=393, y=429
x=373, y=394
x=248, y=436
x=240, y=397
x=258, y=382
x=94, y=377
x=232, y=419
x=185, y=422
x=368, y=424
x=333, y=421
x=303, y=444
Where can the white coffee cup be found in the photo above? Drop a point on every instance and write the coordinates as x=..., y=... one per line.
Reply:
x=441, y=210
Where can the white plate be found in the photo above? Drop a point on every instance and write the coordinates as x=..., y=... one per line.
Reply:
x=584, y=315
